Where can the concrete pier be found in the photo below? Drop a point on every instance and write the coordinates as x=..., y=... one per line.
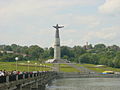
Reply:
x=29, y=81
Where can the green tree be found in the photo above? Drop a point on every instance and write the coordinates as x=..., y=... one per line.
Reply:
x=35, y=52
x=51, y=51
x=85, y=58
x=7, y=48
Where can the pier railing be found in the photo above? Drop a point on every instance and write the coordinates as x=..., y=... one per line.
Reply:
x=16, y=77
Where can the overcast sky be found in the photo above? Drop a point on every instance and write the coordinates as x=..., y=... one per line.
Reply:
x=29, y=22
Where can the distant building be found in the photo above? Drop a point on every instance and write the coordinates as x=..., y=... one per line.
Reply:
x=9, y=52
x=88, y=46
x=12, y=52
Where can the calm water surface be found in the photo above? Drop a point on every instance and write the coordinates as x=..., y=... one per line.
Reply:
x=85, y=84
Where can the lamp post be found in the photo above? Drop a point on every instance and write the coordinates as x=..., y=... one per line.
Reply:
x=35, y=66
x=28, y=65
x=41, y=67
x=58, y=67
x=16, y=58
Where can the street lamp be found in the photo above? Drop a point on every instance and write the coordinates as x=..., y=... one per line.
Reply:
x=35, y=66
x=41, y=67
x=58, y=67
x=16, y=58
x=28, y=65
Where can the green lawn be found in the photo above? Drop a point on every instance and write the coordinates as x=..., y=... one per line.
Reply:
x=67, y=68
x=23, y=66
x=100, y=69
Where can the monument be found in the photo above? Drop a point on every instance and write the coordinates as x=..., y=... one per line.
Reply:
x=57, y=50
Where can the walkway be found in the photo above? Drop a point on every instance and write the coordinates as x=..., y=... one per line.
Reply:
x=81, y=69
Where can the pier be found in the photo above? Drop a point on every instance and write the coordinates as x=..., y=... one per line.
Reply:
x=28, y=81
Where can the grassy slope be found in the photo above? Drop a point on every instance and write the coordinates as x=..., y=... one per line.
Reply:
x=22, y=66
x=99, y=69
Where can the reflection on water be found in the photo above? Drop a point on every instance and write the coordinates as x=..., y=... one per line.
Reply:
x=85, y=84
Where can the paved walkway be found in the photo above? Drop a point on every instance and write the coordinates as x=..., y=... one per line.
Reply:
x=81, y=69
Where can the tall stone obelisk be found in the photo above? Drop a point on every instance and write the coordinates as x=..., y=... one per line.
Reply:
x=57, y=51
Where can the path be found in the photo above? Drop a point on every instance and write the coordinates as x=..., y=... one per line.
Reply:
x=81, y=69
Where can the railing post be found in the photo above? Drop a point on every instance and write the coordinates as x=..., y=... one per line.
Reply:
x=23, y=76
x=28, y=75
x=7, y=79
x=16, y=77
x=32, y=75
x=36, y=75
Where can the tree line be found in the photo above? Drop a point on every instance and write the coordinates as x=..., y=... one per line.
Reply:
x=97, y=54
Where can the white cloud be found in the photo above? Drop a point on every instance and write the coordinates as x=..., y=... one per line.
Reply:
x=41, y=6
x=110, y=7
x=109, y=34
x=30, y=21
x=37, y=8
x=69, y=20
x=69, y=42
x=90, y=21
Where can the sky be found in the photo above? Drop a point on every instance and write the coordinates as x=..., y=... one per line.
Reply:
x=29, y=22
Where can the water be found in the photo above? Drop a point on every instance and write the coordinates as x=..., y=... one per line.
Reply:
x=85, y=84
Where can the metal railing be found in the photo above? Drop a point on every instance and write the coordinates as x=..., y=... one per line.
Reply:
x=10, y=78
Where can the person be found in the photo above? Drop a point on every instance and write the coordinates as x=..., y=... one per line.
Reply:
x=5, y=72
x=14, y=72
x=1, y=73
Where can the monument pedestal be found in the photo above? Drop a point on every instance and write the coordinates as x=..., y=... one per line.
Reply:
x=57, y=61
x=60, y=61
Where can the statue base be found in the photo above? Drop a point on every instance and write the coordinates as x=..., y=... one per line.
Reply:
x=57, y=61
